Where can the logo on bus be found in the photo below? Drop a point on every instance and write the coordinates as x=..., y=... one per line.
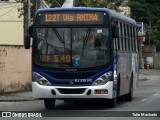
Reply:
x=71, y=82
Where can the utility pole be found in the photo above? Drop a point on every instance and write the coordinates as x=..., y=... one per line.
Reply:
x=37, y=5
x=29, y=13
x=149, y=41
x=27, y=17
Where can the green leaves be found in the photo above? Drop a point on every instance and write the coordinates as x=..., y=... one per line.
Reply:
x=113, y=4
x=148, y=11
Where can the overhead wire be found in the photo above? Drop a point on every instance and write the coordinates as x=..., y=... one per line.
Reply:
x=7, y=7
x=9, y=10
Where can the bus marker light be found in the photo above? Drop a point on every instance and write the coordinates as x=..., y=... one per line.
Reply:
x=89, y=92
x=53, y=92
x=103, y=91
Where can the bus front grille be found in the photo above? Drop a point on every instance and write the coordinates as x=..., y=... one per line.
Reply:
x=71, y=75
x=71, y=91
x=75, y=84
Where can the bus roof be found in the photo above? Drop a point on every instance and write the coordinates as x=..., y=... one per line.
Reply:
x=112, y=14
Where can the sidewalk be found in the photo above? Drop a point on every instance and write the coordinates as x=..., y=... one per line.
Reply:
x=18, y=96
x=150, y=74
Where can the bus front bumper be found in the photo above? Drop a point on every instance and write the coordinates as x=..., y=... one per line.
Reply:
x=80, y=92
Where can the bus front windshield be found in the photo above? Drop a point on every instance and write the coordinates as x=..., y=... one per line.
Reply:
x=72, y=47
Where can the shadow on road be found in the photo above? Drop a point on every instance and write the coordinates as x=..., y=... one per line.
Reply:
x=94, y=104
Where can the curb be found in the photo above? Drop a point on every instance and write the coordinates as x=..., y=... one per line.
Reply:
x=17, y=100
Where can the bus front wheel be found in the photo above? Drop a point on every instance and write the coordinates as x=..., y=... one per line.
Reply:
x=49, y=103
x=113, y=102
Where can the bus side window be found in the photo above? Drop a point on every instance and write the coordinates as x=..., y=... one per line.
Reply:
x=135, y=38
x=127, y=43
x=123, y=42
x=124, y=37
x=132, y=47
x=115, y=29
x=120, y=37
x=129, y=39
x=117, y=39
x=115, y=32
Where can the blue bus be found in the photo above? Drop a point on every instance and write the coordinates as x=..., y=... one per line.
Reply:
x=83, y=53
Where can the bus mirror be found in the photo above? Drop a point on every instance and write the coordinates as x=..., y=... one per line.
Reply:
x=27, y=42
x=31, y=31
x=115, y=31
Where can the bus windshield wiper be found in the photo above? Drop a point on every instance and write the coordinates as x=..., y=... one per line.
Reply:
x=58, y=35
x=85, y=40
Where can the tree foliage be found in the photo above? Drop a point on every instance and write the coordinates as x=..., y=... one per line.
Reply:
x=55, y=3
x=148, y=11
x=113, y=4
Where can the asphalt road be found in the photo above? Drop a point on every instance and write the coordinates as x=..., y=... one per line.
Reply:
x=146, y=98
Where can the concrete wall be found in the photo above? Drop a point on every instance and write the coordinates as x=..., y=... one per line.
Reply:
x=15, y=61
x=11, y=26
x=15, y=68
x=148, y=51
x=11, y=33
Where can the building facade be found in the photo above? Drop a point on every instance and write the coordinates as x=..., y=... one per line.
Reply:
x=15, y=61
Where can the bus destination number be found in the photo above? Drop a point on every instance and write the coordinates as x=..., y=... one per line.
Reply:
x=71, y=17
x=55, y=58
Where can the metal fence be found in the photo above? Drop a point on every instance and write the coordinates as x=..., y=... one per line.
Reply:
x=156, y=61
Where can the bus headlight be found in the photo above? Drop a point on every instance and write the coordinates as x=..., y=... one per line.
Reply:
x=40, y=79
x=102, y=79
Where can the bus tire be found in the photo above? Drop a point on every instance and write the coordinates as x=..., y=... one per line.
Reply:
x=113, y=102
x=49, y=103
x=118, y=86
x=129, y=96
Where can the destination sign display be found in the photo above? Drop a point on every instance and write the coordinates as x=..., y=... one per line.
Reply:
x=55, y=58
x=71, y=17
